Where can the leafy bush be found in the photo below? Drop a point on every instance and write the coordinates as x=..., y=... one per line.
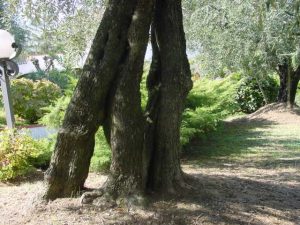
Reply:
x=208, y=102
x=29, y=97
x=56, y=112
x=19, y=154
x=63, y=79
x=249, y=96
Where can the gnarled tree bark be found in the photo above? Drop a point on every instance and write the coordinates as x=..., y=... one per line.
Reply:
x=283, y=71
x=145, y=151
x=87, y=110
x=169, y=83
x=295, y=77
x=125, y=125
x=289, y=80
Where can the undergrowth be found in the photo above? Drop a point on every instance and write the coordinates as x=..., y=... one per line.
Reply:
x=209, y=102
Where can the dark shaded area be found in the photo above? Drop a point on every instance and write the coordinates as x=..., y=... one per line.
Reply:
x=223, y=200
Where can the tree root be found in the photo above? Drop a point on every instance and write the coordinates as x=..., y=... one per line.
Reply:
x=89, y=197
x=105, y=199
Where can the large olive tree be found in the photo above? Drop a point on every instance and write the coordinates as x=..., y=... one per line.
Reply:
x=145, y=146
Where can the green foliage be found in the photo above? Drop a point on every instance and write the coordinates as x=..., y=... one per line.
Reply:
x=208, y=103
x=298, y=96
x=30, y=97
x=143, y=88
x=64, y=79
x=102, y=154
x=240, y=35
x=56, y=113
x=45, y=149
x=249, y=96
x=19, y=154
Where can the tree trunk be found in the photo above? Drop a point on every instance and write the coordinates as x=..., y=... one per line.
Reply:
x=108, y=94
x=87, y=110
x=171, y=81
x=125, y=127
x=295, y=77
x=289, y=80
x=283, y=71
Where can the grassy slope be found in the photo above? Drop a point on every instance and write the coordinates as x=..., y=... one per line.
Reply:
x=259, y=141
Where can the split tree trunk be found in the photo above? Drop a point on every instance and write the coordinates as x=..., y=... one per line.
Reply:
x=169, y=83
x=108, y=94
x=75, y=142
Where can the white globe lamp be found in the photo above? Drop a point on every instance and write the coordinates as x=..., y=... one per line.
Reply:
x=8, y=51
x=7, y=45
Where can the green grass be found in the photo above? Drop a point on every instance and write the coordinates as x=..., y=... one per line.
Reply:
x=262, y=143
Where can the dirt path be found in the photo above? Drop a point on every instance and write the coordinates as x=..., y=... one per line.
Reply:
x=247, y=173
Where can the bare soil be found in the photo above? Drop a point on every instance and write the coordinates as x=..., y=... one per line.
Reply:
x=249, y=188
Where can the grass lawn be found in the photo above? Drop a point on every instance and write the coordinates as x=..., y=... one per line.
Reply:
x=260, y=141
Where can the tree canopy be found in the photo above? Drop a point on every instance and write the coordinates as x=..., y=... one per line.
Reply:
x=243, y=34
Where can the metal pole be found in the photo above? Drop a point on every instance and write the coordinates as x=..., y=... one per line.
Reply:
x=5, y=86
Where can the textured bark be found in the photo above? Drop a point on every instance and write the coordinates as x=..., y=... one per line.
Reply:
x=289, y=80
x=293, y=86
x=75, y=142
x=125, y=128
x=283, y=75
x=108, y=94
x=171, y=78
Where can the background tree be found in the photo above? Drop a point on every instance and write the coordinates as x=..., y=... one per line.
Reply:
x=257, y=37
x=61, y=29
x=11, y=22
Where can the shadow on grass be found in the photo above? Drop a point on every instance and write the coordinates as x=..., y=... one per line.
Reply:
x=232, y=137
x=241, y=136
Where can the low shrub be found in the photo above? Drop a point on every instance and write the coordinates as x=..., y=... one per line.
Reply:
x=55, y=113
x=249, y=96
x=20, y=154
x=30, y=97
x=208, y=102
x=63, y=79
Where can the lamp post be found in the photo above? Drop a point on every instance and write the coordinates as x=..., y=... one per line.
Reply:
x=8, y=51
